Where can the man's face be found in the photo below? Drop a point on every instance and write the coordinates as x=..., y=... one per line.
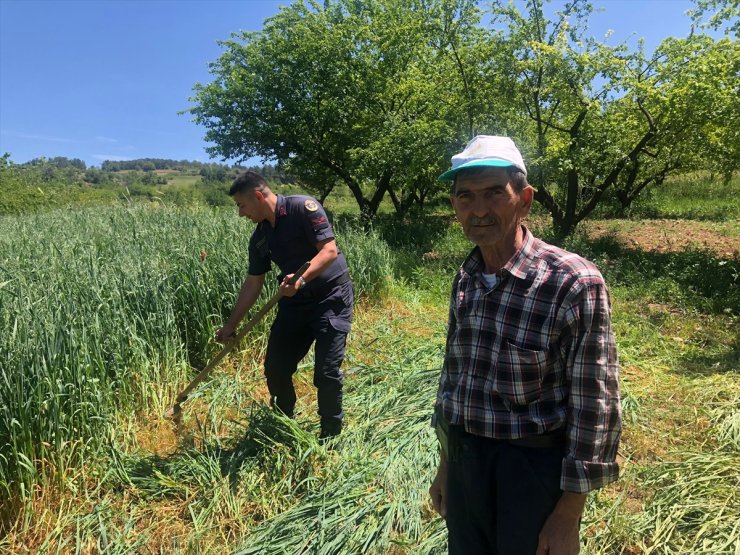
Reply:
x=488, y=208
x=249, y=205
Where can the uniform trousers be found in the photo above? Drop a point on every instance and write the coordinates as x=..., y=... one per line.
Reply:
x=302, y=320
x=498, y=494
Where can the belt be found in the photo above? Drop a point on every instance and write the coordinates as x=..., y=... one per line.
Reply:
x=556, y=438
x=344, y=278
x=542, y=441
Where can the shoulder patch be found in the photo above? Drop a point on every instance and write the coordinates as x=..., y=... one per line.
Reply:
x=311, y=205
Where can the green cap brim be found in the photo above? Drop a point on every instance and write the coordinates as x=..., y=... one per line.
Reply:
x=449, y=175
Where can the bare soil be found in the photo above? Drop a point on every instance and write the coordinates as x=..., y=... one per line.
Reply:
x=722, y=238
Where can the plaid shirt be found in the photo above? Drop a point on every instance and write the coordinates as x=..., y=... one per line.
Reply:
x=535, y=353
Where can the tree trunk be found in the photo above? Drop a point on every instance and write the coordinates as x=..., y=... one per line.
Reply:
x=380, y=189
x=563, y=227
x=325, y=194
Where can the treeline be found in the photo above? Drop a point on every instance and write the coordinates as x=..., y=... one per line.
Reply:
x=220, y=172
x=211, y=170
x=47, y=169
x=59, y=162
x=151, y=164
x=45, y=183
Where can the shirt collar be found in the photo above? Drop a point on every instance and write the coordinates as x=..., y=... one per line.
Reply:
x=280, y=209
x=518, y=265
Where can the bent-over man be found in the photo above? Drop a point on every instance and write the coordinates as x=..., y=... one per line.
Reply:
x=317, y=308
x=528, y=408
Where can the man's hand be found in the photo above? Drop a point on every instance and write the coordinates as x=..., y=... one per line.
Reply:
x=438, y=489
x=225, y=333
x=561, y=533
x=288, y=290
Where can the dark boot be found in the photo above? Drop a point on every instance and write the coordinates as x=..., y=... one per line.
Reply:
x=330, y=428
x=275, y=405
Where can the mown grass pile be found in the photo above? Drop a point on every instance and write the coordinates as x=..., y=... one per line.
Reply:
x=103, y=313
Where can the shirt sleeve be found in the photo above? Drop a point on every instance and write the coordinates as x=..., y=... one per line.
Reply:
x=451, y=326
x=316, y=223
x=259, y=254
x=594, y=410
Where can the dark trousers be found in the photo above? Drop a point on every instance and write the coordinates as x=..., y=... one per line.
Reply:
x=301, y=321
x=498, y=495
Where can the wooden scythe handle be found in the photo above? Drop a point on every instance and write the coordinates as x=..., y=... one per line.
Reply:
x=237, y=338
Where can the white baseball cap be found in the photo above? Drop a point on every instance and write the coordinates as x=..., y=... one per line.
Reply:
x=486, y=150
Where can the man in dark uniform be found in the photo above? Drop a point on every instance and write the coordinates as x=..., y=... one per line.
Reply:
x=318, y=307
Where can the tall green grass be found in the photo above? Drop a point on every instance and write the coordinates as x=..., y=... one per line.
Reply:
x=694, y=196
x=104, y=312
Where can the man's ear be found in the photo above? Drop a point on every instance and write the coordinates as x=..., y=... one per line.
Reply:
x=527, y=196
x=259, y=195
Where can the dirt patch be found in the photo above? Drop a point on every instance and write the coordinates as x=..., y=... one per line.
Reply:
x=722, y=238
x=157, y=436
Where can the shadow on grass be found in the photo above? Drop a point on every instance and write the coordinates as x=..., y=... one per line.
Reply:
x=422, y=244
x=418, y=232
x=692, y=279
x=10, y=510
x=428, y=248
x=267, y=437
x=704, y=213
x=702, y=364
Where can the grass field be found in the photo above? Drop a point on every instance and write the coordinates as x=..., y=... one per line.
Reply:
x=104, y=310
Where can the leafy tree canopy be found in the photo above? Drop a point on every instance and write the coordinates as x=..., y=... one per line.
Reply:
x=360, y=93
x=377, y=94
x=599, y=122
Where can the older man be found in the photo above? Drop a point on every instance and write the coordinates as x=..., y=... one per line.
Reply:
x=528, y=403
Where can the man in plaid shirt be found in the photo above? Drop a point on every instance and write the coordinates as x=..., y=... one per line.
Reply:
x=528, y=408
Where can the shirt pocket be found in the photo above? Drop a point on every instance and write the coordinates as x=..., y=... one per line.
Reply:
x=519, y=374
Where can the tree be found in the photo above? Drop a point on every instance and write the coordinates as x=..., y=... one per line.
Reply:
x=597, y=121
x=717, y=14
x=376, y=95
x=347, y=92
x=689, y=90
x=97, y=176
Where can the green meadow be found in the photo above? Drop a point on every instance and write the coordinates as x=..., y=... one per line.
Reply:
x=106, y=312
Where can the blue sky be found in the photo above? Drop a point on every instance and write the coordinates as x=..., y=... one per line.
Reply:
x=105, y=79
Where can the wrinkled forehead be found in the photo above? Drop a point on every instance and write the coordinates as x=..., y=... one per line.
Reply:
x=480, y=178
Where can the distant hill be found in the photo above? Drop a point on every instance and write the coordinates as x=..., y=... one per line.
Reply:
x=209, y=170
x=46, y=183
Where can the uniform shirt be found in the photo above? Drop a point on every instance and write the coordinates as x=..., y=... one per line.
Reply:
x=534, y=353
x=300, y=223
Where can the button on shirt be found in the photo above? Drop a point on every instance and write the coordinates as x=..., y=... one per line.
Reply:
x=300, y=224
x=535, y=353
